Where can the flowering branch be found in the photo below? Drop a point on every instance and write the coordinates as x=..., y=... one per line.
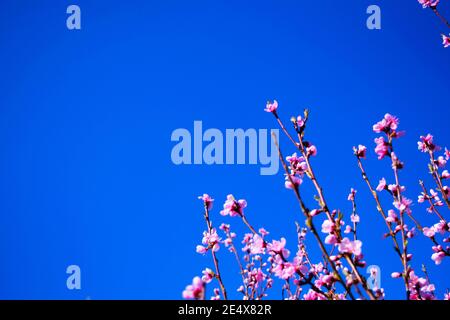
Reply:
x=293, y=184
x=443, y=20
x=433, y=4
x=266, y=261
x=307, y=150
x=427, y=145
x=213, y=253
x=232, y=248
x=426, y=196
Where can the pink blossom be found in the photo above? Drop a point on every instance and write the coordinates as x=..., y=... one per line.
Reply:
x=208, y=275
x=382, y=148
x=216, y=295
x=445, y=174
x=440, y=227
x=426, y=143
x=360, y=152
x=207, y=200
x=354, y=218
x=438, y=257
x=445, y=190
x=447, y=154
x=297, y=164
x=311, y=150
x=331, y=239
x=348, y=229
x=328, y=226
x=396, y=163
x=247, y=238
x=196, y=290
x=300, y=122
x=421, y=198
x=351, y=195
x=293, y=183
x=419, y=288
x=312, y=295
x=298, y=262
x=201, y=249
x=227, y=242
x=284, y=270
x=317, y=268
x=434, y=195
x=327, y=279
x=389, y=122
x=428, y=232
x=403, y=205
x=348, y=246
x=255, y=277
x=278, y=247
x=271, y=106
x=395, y=189
x=445, y=40
x=392, y=217
x=379, y=126
x=440, y=161
x=257, y=245
x=396, y=275
x=232, y=207
x=381, y=185
x=428, y=3
x=437, y=248
x=263, y=232
x=211, y=239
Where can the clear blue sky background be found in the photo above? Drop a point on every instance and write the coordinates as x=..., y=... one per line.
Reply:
x=86, y=116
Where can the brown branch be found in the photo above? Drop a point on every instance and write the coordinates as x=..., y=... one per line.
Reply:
x=439, y=15
x=383, y=214
x=215, y=260
x=310, y=224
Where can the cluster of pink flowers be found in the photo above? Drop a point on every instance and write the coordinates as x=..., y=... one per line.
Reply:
x=428, y=3
x=445, y=40
x=433, y=5
x=271, y=106
x=196, y=290
x=420, y=288
x=207, y=200
x=210, y=240
x=233, y=207
x=433, y=197
x=297, y=166
x=417, y=288
x=261, y=261
x=436, y=199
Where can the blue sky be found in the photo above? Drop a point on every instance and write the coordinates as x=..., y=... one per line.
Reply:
x=86, y=118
